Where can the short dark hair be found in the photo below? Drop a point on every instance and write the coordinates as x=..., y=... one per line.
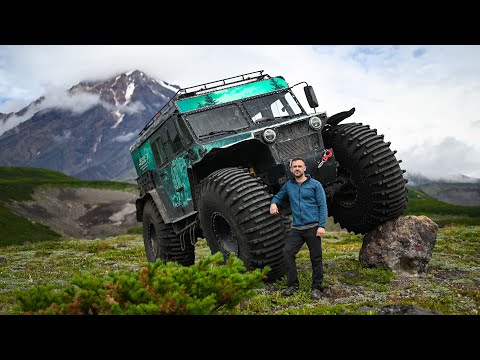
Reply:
x=297, y=158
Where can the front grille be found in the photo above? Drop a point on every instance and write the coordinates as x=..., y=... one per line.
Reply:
x=296, y=147
x=292, y=131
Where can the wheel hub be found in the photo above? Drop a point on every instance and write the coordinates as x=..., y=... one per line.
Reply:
x=152, y=239
x=224, y=235
x=346, y=194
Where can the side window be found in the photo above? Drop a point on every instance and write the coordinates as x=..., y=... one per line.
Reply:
x=172, y=137
x=158, y=149
x=185, y=134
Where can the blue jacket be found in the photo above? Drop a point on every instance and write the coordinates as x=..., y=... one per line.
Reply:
x=307, y=200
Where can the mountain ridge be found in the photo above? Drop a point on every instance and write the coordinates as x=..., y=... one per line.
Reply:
x=86, y=131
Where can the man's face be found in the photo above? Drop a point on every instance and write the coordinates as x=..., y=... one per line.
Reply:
x=298, y=168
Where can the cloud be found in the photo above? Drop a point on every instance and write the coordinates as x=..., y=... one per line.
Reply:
x=14, y=120
x=76, y=103
x=126, y=137
x=439, y=160
x=55, y=98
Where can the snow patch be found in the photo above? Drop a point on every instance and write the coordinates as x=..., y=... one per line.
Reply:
x=129, y=92
x=96, y=144
x=165, y=85
x=114, y=97
x=118, y=116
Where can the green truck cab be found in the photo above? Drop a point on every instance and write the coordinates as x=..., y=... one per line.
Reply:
x=209, y=162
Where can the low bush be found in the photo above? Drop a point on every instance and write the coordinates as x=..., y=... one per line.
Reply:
x=210, y=286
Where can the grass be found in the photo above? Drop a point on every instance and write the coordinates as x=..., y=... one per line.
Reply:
x=18, y=183
x=450, y=286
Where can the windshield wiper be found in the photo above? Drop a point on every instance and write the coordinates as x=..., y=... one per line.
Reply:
x=217, y=132
x=263, y=119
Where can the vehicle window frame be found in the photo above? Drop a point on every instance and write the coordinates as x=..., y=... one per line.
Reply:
x=155, y=142
x=187, y=139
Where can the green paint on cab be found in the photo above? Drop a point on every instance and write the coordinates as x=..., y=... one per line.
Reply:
x=232, y=94
x=143, y=158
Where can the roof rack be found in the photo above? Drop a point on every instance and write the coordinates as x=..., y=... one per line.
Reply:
x=219, y=83
x=184, y=93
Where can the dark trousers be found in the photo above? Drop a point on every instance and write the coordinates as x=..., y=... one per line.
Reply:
x=293, y=244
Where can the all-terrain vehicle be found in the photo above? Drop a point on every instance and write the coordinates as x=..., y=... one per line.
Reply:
x=210, y=160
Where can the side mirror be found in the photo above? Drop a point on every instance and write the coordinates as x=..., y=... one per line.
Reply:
x=311, y=98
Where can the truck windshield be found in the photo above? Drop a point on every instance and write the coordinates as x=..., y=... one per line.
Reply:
x=272, y=106
x=215, y=121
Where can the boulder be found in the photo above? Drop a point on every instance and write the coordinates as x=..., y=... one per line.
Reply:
x=404, y=244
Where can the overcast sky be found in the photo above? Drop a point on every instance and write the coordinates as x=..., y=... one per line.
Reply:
x=424, y=99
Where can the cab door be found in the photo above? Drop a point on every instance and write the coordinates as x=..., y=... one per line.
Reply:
x=172, y=171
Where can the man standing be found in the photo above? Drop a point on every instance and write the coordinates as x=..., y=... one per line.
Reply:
x=309, y=211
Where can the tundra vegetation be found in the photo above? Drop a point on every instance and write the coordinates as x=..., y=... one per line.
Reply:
x=44, y=273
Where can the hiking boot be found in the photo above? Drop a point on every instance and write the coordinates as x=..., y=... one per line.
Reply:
x=317, y=294
x=290, y=291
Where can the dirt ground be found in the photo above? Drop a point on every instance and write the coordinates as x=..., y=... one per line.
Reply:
x=80, y=213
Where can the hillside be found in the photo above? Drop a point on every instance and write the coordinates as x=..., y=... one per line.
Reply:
x=466, y=194
x=20, y=199
x=420, y=203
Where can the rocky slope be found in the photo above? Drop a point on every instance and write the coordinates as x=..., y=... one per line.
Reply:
x=81, y=213
x=454, y=193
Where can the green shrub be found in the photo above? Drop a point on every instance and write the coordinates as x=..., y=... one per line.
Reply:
x=210, y=286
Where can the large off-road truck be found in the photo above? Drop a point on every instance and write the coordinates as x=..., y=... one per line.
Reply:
x=210, y=160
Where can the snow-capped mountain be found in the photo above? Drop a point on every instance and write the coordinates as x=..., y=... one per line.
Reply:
x=86, y=131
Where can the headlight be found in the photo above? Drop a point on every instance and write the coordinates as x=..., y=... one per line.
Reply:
x=315, y=123
x=269, y=136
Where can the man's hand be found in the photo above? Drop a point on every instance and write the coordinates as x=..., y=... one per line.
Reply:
x=273, y=209
x=320, y=230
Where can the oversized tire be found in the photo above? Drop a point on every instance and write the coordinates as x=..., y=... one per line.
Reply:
x=287, y=219
x=370, y=184
x=234, y=213
x=160, y=240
